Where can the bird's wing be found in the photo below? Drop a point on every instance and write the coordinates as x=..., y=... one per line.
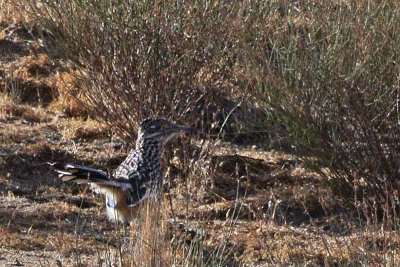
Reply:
x=130, y=164
x=140, y=189
x=139, y=181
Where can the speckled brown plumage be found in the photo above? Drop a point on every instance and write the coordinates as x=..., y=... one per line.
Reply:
x=139, y=176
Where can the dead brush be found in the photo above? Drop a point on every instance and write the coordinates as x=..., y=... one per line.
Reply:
x=70, y=99
x=150, y=244
x=142, y=62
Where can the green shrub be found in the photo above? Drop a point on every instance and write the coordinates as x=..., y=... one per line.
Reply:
x=329, y=72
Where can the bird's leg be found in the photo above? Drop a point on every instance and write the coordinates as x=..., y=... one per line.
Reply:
x=125, y=226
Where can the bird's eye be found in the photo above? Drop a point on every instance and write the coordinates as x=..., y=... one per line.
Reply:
x=153, y=127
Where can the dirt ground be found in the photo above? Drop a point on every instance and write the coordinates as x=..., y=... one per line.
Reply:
x=43, y=220
x=269, y=208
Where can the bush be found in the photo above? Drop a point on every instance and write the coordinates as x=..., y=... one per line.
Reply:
x=329, y=74
x=143, y=58
x=325, y=75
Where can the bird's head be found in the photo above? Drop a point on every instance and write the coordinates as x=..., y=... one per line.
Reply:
x=160, y=130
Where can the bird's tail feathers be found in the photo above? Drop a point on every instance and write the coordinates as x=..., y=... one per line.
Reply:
x=79, y=174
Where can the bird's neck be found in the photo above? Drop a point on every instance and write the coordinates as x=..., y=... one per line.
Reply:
x=149, y=149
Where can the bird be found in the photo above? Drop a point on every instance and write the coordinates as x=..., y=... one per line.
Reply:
x=138, y=178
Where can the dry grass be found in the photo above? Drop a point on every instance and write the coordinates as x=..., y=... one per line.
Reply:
x=150, y=239
x=82, y=130
x=9, y=110
x=249, y=206
x=10, y=12
x=27, y=75
x=279, y=222
x=70, y=101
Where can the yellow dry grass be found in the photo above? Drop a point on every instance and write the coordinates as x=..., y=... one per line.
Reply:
x=69, y=100
x=152, y=246
x=14, y=11
x=10, y=110
x=36, y=72
x=78, y=128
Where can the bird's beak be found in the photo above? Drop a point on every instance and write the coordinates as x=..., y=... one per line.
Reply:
x=183, y=128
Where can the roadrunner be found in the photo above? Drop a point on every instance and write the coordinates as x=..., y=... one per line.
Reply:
x=137, y=179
